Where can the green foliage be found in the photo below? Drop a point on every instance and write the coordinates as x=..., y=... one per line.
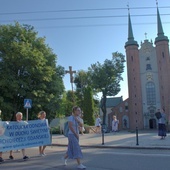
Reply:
x=28, y=70
x=106, y=77
x=66, y=104
x=80, y=82
x=81, y=79
x=88, y=106
x=85, y=100
x=55, y=130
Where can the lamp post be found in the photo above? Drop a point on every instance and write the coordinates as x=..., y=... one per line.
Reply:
x=103, y=124
x=0, y=114
x=102, y=134
x=137, y=139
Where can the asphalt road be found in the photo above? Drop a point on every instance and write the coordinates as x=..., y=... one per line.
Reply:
x=94, y=159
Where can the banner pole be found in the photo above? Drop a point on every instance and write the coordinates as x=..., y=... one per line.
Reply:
x=26, y=114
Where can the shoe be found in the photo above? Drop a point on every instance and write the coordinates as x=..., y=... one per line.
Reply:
x=25, y=157
x=11, y=157
x=1, y=160
x=43, y=154
x=81, y=166
x=64, y=161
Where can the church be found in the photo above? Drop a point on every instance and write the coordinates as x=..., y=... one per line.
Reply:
x=148, y=69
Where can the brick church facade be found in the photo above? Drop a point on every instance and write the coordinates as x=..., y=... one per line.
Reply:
x=148, y=69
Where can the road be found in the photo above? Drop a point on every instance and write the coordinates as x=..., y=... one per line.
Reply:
x=94, y=159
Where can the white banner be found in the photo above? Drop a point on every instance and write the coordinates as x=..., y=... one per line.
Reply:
x=20, y=135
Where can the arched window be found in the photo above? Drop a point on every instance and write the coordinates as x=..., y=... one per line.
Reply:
x=150, y=93
x=125, y=122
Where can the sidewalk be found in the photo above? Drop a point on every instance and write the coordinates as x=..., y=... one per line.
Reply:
x=122, y=139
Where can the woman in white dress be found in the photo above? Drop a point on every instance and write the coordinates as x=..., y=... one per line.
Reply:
x=115, y=123
x=98, y=124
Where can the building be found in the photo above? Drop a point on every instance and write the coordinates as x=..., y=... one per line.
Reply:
x=148, y=69
x=111, y=103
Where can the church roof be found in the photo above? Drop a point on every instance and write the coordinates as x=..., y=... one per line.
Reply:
x=113, y=101
x=160, y=34
x=131, y=40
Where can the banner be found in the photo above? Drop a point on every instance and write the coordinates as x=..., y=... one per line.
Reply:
x=20, y=135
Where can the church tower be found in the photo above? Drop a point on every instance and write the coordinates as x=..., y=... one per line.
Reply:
x=148, y=72
x=134, y=81
x=163, y=63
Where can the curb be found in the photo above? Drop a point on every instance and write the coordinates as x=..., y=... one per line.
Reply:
x=118, y=147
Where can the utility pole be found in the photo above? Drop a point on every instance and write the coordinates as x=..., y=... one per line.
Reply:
x=71, y=72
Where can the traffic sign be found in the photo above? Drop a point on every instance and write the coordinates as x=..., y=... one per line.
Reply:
x=27, y=103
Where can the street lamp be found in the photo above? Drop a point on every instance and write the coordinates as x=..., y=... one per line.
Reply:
x=103, y=124
x=0, y=114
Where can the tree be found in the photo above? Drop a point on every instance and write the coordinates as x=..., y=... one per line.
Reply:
x=81, y=81
x=28, y=70
x=67, y=103
x=85, y=96
x=106, y=77
x=88, y=106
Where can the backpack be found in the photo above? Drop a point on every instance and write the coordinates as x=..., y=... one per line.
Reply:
x=66, y=129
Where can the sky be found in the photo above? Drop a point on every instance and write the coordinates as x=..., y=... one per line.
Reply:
x=83, y=32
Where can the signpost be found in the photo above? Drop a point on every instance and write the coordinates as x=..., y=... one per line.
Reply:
x=27, y=105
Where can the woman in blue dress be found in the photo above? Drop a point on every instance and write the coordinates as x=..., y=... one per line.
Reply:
x=74, y=150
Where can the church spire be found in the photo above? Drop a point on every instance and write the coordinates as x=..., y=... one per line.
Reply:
x=131, y=40
x=160, y=34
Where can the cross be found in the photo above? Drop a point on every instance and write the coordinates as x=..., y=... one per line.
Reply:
x=156, y=3
x=145, y=35
x=128, y=6
x=71, y=73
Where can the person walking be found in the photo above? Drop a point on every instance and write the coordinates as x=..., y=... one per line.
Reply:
x=42, y=116
x=81, y=128
x=74, y=150
x=162, y=125
x=115, y=123
x=2, y=131
x=1, y=159
x=98, y=124
x=19, y=120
